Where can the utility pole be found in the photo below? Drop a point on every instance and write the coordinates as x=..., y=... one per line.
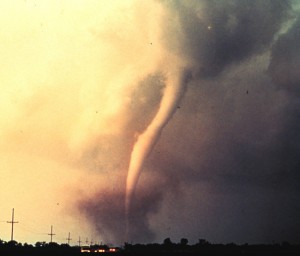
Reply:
x=12, y=222
x=86, y=241
x=51, y=234
x=79, y=241
x=69, y=239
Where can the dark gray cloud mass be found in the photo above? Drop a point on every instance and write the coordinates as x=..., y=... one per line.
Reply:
x=286, y=59
x=215, y=34
x=226, y=167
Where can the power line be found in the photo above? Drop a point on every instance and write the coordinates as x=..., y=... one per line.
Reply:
x=12, y=222
x=31, y=229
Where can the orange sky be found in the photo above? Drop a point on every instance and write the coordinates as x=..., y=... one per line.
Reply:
x=68, y=69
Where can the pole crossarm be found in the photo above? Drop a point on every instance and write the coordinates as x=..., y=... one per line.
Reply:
x=12, y=222
x=69, y=238
x=51, y=234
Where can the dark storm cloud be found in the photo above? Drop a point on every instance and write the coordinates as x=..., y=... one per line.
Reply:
x=215, y=34
x=237, y=135
x=241, y=120
x=237, y=155
x=285, y=59
x=284, y=71
x=229, y=157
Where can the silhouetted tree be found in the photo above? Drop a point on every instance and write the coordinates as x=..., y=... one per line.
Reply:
x=53, y=245
x=13, y=243
x=203, y=242
x=184, y=241
x=40, y=244
x=168, y=242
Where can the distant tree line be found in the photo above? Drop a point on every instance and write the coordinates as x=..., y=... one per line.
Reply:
x=166, y=248
x=203, y=247
x=12, y=248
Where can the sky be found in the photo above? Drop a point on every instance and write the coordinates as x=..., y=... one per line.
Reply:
x=141, y=120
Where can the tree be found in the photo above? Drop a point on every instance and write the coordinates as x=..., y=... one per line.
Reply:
x=168, y=241
x=40, y=244
x=13, y=243
x=203, y=242
x=184, y=241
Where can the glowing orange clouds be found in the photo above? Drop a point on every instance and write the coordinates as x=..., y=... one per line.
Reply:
x=69, y=69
